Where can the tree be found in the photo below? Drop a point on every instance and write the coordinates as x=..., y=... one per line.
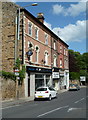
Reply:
x=78, y=64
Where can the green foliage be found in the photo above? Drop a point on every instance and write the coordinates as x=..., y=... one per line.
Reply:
x=8, y=75
x=17, y=64
x=22, y=73
x=78, y=64
x=74, y=75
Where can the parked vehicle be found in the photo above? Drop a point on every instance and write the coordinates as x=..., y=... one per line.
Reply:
x=45, y=92
x=74, y=87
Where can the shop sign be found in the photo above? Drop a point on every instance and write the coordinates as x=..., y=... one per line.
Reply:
x=82, y=78
x=55, y=75
x=36, y=69
x=61, y=73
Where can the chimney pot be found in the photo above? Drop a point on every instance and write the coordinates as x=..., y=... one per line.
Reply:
x=40, y=17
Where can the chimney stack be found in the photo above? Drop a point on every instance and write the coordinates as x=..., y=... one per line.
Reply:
x=40, y=17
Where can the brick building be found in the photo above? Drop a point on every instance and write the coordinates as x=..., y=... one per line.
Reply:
x=43, y=53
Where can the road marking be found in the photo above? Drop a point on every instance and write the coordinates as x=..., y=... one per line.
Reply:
x=52, y=111
x=70, y=109
x=10, y=106
x=79, y=100
x=18, y=105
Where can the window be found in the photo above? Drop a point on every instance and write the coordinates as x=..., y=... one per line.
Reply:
x=30, y=28
x=64, y=51
x=54, y=45
x=36, y=33
x=55, y=60
x=46, y=39
x=61, y=62
x=46, y=58
x=60, y=48
x=36, y=53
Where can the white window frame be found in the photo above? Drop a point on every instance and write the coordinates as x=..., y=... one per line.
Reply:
x=54, y=45
x=55, y=61
x=30, y=28
x=60, y=63
x=36, y=31
x=60, y=48
x=46, y=39
x=46, y=57
x=32, y=49
x=37, y=54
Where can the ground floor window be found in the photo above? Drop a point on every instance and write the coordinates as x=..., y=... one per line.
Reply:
x=41, y=80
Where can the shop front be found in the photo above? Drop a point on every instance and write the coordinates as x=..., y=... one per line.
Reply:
x=36, y=77
x=62, y=82
x=56, y=78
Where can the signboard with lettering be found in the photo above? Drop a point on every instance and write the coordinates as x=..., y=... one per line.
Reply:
x=82, y=78
x=16, y=72
x=55, y=75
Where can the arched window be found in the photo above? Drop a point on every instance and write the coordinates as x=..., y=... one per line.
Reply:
x=30, y=48
x=30, y=28
x=36, y=54
x=36, y=33
x=46, y=57
x=55, y=61
x=60, y=62
x=46, y=39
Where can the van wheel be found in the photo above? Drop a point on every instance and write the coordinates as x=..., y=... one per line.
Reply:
x=50, y=98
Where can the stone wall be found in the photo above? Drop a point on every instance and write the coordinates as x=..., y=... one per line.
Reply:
x=9, y=14
x=8, y=89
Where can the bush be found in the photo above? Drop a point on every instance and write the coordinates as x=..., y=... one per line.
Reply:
x=8, y=75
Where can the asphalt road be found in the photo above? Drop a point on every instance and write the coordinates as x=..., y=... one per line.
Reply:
x=70, y=104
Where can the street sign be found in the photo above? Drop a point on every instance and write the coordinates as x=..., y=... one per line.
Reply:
x=16, y=72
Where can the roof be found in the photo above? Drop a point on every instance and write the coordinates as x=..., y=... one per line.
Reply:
x=34, y=18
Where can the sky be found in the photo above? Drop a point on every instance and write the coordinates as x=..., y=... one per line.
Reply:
x=65, y=19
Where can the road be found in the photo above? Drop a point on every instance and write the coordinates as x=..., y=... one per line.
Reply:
x=70, y=104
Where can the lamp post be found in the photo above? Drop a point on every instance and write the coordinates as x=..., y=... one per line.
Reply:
x=17, y=22
x=17, y=39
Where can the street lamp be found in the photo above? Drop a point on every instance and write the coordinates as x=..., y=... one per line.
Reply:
x=18, y=20
x=29, y=53
x=18, y=27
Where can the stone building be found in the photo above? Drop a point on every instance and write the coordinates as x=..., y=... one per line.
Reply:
x=43, y=53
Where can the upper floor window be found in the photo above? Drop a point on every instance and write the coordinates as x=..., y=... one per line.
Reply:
x=46, y=39
x=36, y=54
x=36, y=33
x=55, y=61
x=46, y=58
x=60, y=48
x=54, y=45
x=61, y=63
x=64, y=51
x=30, y=48
x=30, y=28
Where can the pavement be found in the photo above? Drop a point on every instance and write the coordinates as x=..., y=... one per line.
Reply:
x=12, y=102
